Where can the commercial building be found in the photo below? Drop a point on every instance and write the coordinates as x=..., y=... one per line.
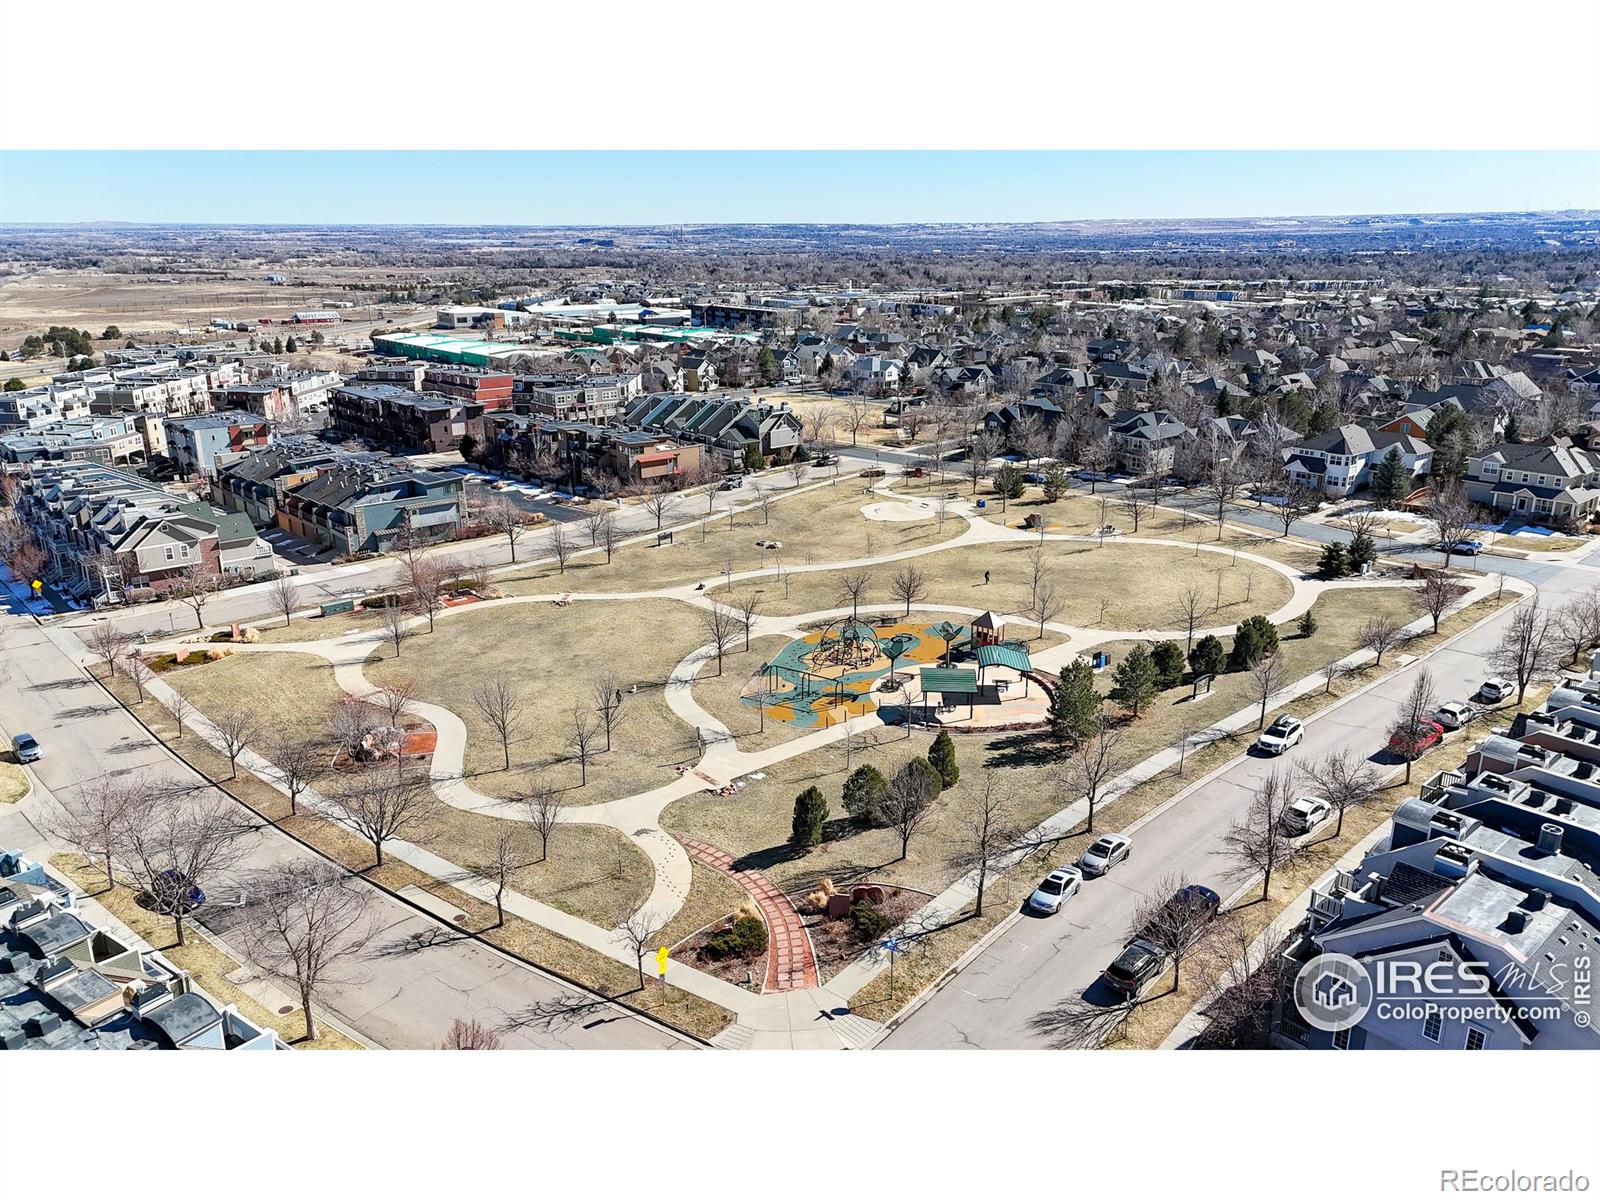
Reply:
x=195, y=443
x=442, y=348
x=722, y=314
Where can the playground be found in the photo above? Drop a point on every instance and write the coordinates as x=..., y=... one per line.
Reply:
x=934, y=672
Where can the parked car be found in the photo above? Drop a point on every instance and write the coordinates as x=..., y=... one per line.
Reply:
x=1467, y=546
x=730, y=483
x=1108, y=850
x=1056, y=889
x=1455, y=714
x=1190, y=905
x=25, y=748
x=1132, y=970
x=1305, y=814
x=1280, y=735
x=1495, y=690
x=1409, y=744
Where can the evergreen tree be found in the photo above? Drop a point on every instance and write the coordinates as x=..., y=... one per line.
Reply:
x=863, y=794
x=1168, y=660
x=1307, y=625
x=1390, y=478
x=1324, y=417
x=1134, y=680
x=942, y=756
x=1056, y=482
x=1254, y=639
x=1513, y=432
x=1008, y=482
x=1363, y=551
x=1075, y=705
x=277, y=345
x=1207, y=656
x=290, y=346
x=1333, y=564
x=810, y=811
x=767, y=364
x=752, y=456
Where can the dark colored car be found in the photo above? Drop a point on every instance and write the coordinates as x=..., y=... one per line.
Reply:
x=1133, y=969
x=172, y=892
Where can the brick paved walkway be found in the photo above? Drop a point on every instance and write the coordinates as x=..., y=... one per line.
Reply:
x=791, y=962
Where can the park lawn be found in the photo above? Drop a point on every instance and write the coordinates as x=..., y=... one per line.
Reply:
x=822, y=524
x=755, y=823
x=1121, y=585
x=1553, y=545
x=1081, y=514
x=872, y=433
x=289, y=690
x=596, y=971
x=719, y=695
x=318, y=629
x=712, y=896
x=206, y=962
x=1340, y=615
x=553, y=656
x=14, y=783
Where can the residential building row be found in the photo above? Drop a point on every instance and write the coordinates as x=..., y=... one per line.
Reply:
x=66, y=984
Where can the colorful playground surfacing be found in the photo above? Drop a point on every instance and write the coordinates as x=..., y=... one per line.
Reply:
x=832, y=674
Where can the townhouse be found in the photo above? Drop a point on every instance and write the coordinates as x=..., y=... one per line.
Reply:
x=1342, y=460
x=403, y=421
x=194, y=444
x=1557, y=482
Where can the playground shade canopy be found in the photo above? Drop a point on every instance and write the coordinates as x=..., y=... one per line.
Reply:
x=1004, y=654
x=949, y=681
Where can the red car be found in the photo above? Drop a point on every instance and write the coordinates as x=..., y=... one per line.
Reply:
x=1413, y=744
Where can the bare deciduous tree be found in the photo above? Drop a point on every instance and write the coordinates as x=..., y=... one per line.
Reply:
x=94, y=817
x=988, y=831
x=659, y=503
x=559, y=544
x=1092, y=763
x=423, y=579
x=181, y=709
x=908, y=804
x=746, y=606
x=583, y=740
x=1047, y=604
x=379, y=805
x=1187, y=613
x=505, y=518
x=496, y=866
x=197, y=583
x=284, y=596
x=1451, y=514
x=470, y=1035
x=721, y=626
x=1257, y=842
x=1268, y=675
x=543, y=806
x=237, y=725
x=607, y=694
x=851, y=588
x=1527, y=648
x=1172, y=918
x=396, y=624
x=1380, y=635
x=307, y=923
x=500, y=705
x=1414, y=721
x=138, y=673
x=109, y=644
x=1437, y=593
x=1344, y=780
x=300, y=758
x=609, y=535
x=177, y=844
x=641, y=933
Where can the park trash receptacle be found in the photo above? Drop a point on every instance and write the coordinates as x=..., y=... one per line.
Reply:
x=982, y=503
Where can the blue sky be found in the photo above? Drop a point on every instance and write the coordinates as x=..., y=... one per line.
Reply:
x=648, y=187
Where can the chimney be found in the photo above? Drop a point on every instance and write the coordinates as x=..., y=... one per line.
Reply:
x=1549, y=839
x=1516, y=920
x=1536, y=900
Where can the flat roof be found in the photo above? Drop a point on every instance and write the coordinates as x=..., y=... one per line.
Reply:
x=949, y=681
